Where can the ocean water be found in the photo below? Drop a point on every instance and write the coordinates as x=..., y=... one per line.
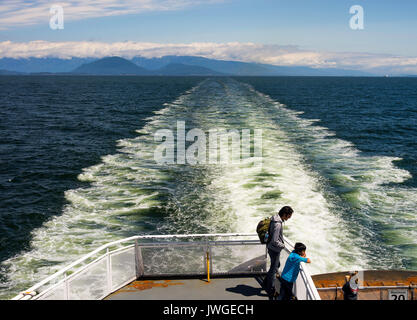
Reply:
x=78, y=170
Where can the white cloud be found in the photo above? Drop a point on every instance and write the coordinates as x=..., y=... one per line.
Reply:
x=238, y=51
x=23, y=13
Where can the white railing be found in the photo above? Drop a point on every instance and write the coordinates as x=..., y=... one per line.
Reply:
x=112, y=266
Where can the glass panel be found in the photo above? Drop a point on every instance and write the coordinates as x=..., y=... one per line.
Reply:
x=238, y=258
x=90, y=284
x=57, y=293
x=300, y=289
x=122, y=267
x=174, y=260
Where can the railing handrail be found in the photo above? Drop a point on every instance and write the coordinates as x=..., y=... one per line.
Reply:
x=309, y=283
x=372, y=287
x=311, y=290
x=110, y=244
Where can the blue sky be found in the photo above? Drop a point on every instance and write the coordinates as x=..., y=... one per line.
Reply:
x=320, y=26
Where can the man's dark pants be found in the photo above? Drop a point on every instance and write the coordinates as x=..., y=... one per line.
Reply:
x=270, y=276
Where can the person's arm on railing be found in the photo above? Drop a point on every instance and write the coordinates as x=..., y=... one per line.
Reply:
x=304, y=259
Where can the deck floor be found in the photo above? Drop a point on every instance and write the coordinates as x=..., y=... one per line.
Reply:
x=247, y=288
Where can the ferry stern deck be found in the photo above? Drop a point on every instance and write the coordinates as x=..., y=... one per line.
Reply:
x=234, y=288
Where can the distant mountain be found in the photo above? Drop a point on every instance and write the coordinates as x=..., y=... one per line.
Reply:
x=225, y=67
x=120, y=66
x=34, y=65
x=308, y=71
x=111, y=66
x=179, y=69
x=167, y=65
x=238, y=68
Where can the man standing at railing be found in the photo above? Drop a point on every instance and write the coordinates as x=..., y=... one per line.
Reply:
x=275, y=245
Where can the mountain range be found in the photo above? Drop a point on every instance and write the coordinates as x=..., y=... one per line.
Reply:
x=163, y=66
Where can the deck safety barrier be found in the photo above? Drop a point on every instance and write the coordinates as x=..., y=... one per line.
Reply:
x=116, y=264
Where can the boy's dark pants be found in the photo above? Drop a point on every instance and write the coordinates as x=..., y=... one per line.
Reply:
x=270, y=277
x=286, y=290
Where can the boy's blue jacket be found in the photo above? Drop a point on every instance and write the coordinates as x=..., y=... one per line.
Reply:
x=292, y=267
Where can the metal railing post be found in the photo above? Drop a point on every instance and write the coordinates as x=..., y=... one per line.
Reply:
x=211, y=259
x=140, y=268
x=66, y=287
x=109, y=272
x=207, y=260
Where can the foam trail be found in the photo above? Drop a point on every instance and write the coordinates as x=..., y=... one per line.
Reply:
x=253, y=194
x=366, y=191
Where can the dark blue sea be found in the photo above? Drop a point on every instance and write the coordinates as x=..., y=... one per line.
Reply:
x=77, y=167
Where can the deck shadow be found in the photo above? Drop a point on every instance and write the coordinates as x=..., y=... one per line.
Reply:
x=247, y=291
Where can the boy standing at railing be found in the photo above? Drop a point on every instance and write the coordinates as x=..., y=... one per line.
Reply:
x=291, y=270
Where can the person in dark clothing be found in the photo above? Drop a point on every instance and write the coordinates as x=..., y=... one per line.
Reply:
x=275, y=245
x=350, y=288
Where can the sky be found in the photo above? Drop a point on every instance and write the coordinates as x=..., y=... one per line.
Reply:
x=314, y=33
